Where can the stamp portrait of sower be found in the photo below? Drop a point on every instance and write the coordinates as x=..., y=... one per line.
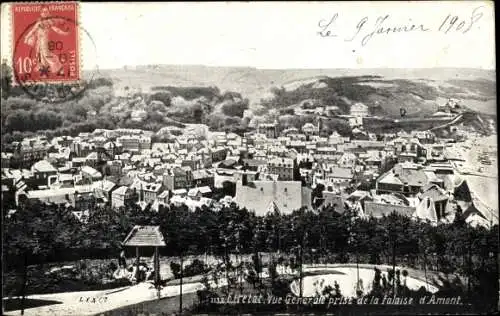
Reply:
x=38, y=38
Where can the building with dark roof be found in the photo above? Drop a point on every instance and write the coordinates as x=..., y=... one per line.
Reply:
x=462, y=192
x=28, y=151
x=334, y=200
x=228, y=164
x=409, y=149
x=177, y=178
x=203, y=177
x=151, y=191
x=405, y=178
x=122, y=196
x=254, y=164
x=284, y=168
x=42, y=170
x=268, y=129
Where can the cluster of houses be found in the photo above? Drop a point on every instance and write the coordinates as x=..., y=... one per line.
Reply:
x=270, y=169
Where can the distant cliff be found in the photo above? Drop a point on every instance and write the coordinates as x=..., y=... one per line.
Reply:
x=385, y=97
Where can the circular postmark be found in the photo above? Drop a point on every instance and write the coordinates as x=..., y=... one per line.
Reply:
x=46, y=59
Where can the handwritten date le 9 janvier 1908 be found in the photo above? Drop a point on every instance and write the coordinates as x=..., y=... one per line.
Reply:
x=367, y=27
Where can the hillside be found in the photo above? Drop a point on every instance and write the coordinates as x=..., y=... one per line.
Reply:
x=161, y=96
x=385, y=97
x=475, y=86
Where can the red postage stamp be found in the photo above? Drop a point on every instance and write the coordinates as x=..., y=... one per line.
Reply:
x=45, y=42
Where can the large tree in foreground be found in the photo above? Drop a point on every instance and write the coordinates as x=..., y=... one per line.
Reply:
x=179, y=234
x=34, y=232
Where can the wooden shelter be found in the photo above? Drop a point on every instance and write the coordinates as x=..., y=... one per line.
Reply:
x=146, y=236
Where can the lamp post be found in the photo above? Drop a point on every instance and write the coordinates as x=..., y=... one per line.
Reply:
x=352, y=241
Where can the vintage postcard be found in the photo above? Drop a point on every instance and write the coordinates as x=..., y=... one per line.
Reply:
x=259, y=158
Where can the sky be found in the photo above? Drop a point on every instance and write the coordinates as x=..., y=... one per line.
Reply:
x=283, y=35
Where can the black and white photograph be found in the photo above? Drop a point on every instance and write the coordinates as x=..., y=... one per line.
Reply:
x=249, y=158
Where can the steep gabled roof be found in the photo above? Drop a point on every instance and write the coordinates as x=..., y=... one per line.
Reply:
x=193, y=192
x=258, y=195
x=389, y=178
x=273, y=208
x=462, y=192
x=435, y=193
x=425, y=210
x=471, y=210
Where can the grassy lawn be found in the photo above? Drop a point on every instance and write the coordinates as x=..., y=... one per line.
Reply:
x=185, y=280
x=165, y=306
x=433, y=277
x=170, y=305
x=88, y=279
x=88, y=275
x=41, y=283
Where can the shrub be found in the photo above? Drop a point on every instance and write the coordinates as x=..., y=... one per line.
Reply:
x=195, y=268
x=280, y=287
x=112, y=267
x=176, y=269
x=235, y=108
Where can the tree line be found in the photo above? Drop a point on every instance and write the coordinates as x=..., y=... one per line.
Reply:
x=38, y=233
x=327, y=232
x=23, y=116
x=329, y=236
